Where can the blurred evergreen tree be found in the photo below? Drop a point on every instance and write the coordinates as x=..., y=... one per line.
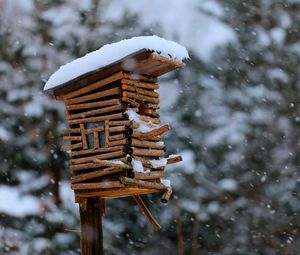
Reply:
x=241, y=118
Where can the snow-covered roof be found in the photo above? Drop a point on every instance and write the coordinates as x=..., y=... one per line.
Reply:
x=111, y=53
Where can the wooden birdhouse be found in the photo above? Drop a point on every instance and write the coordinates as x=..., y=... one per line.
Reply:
x=114, y=132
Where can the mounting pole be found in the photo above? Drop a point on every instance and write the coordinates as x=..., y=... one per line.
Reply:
x=91, y=237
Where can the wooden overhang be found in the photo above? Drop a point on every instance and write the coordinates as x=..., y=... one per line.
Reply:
x=140, y=62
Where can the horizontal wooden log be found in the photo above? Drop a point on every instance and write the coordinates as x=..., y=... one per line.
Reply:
x=116, y=137
x=174, y=159
x=100, y=163
x=157, y=132
x=113, y=163
x=99, y=185
x=114, y=192
x=140, y=97
x=141, y=91
x=147, y=144
x=72, y=138
x=149, y=176
x=148, y=153
x=109, y=155
x=147, y=213
x=117, y=143
x=94, y=86
x=131, y=102
x=93, y=130
x=97, y=112
x=152, y=113
x=140, y=136
x=116, y=129
x=166, y=195
x=95, y=174
x=142, y=184
x=97, y=95
x=72, y=147
x=71, y=131
x=95, y=151
x=149, y=119
x=140, y=77
x=129, y=88
x=152, y=106
x=101, y=103
x=119, y=123
x=140, y=84
x=97, y=119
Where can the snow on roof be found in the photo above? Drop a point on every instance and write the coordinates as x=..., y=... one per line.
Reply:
x=111, y=53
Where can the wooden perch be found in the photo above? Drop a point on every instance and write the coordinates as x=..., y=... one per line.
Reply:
x=158, y=131
x=140, y=136
x=146, y=212
x=95, y=174
x=166, y=196
x=174, y=159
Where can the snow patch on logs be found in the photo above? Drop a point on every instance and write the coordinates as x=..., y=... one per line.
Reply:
x=166, y=182
x=137, y=166
x=143, y=126
x=156, y=163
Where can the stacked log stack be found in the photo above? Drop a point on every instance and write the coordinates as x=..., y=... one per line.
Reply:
x=115, y=137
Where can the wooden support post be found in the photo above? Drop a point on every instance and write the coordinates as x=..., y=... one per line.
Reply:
x=91, y=237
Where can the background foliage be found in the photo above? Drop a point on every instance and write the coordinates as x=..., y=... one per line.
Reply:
x=234, y=110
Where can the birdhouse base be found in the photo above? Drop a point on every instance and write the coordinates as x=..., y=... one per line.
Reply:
x=114, y=193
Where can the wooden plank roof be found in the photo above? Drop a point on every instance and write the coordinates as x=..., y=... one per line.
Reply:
x=140, y=62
